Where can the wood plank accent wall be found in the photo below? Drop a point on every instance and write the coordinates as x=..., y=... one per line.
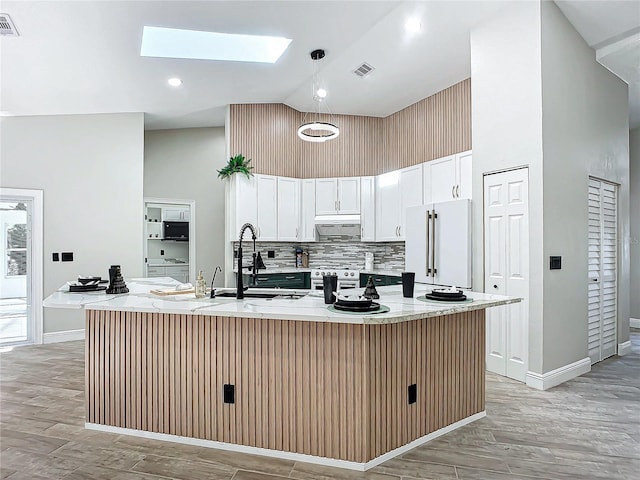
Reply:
x=434, y=127
x=325, y=389
x=266, y=133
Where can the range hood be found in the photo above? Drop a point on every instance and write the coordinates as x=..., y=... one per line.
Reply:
x=327, y=225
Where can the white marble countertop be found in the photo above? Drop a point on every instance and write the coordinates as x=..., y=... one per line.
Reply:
x=309, y=308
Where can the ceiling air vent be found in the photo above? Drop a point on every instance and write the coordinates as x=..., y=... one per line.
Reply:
x=6, y=26
x=363, y=70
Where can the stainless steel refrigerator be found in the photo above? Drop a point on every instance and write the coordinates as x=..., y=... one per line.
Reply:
x=438, y=243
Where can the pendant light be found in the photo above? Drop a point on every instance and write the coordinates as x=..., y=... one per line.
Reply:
x=313, y=129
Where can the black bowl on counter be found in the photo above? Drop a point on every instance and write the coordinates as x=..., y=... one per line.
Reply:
x=86, y=280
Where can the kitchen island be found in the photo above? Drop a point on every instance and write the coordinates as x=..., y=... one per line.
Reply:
x=285, y=376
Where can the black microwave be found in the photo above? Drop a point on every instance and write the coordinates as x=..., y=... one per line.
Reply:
x=175, y=231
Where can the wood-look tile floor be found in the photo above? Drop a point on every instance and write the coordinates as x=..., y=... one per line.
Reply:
x=588, y=428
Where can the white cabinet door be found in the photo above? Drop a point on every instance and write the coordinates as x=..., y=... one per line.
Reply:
x=443, y=179
x=367, y=209
x=506, y=268
x=172, y=214
x=242, y=198
x=267, y=198
x=387, y=207
x=410, y=193
x=463, y=164
x=348, y=195
x=308, y=210
x=426, y=183
x=288, y=208
x=326, y=196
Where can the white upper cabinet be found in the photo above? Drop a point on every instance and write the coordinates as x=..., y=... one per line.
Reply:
x=338, y=196
x=288, y=208
x=308, y=211
x=447, y=178
x=267, y=207
x=463, y=163
x=387, y=206
x=242, y=198
x=349, y=196
x=395, y=192
x=410, y=193
x=175, y=214
x=367, y=209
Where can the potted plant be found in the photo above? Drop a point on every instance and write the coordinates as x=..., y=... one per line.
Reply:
x=236, y=164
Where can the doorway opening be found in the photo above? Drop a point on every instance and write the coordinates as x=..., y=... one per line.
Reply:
x=20, y=267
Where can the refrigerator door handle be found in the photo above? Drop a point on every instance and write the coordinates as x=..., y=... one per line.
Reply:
x=427, y=237
x=433, y=243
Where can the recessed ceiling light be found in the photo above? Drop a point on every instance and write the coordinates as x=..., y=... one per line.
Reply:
x=176, y=43
x=174, y=82
x=321, y=93
x=413, y=25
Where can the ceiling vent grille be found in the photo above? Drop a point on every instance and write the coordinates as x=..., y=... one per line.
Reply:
x=6, y=26
x=363, y=70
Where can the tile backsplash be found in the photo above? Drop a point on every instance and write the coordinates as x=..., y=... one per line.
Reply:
x=334, y=251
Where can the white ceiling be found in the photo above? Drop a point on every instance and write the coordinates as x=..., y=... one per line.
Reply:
x=83, y=56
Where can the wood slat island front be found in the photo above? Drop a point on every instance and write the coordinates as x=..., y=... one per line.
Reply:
x=330, y=390
x=310, y=384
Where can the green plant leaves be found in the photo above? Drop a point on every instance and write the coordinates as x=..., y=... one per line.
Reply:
x=236, y=164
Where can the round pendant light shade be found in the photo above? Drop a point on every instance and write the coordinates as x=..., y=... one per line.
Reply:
x=318, y=131
x=315, y=130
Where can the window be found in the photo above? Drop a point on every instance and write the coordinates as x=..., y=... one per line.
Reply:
x=16, y=248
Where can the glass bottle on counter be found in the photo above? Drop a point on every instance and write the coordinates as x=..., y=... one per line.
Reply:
x=201, y=286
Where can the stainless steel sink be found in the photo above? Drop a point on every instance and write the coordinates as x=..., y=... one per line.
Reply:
x=262, y=293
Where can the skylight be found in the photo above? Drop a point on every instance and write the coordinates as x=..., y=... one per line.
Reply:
x=176, y=43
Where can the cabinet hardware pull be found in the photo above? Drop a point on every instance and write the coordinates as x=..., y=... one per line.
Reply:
x=495, y=286
x=453, y=191
x=399, y=230
x=458, y=191
x=433, y=243
x=290, y=278
x=427, y=237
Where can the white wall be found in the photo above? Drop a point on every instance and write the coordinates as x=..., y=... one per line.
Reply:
x=585, y=132
x=540, y=99
x=634, y=227
x=90, y=169
x=506, y=96
x=183, y=164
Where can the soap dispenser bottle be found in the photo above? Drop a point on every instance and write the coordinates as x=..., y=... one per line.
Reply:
x=201, y=286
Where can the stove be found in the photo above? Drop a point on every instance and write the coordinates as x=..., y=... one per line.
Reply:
x=346, y=278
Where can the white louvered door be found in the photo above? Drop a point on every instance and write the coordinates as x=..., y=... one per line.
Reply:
x=603, y=258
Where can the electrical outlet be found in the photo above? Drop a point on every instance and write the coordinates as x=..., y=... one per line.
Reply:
x=412, y=393
x=555, y=263
x=271, y=254
x=67, y=256
x=229, y=393
x=55, y=256
x=235, y=254
x=161, y=252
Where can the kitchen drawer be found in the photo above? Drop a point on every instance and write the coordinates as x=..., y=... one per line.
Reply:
x=279, y=280
x=177, y=269
x=392, y=280
x=380, y=280
x=155, y=272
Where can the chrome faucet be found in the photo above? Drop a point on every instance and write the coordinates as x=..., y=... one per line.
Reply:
x=239, y=282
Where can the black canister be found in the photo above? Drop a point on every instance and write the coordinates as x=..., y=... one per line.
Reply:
x=330, y=285
x=408, y=282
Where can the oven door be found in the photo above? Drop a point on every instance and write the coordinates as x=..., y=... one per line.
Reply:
x=347, y=284
x=317, y=285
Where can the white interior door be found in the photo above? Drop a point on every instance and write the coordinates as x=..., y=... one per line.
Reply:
x=21, y=223
x=506, y=237
x=602, y=270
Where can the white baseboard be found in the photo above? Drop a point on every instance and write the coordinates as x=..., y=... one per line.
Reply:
x=634, y=322
x=560, y=375
x=624, y=348
x=296, y=457
x=64, y=336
